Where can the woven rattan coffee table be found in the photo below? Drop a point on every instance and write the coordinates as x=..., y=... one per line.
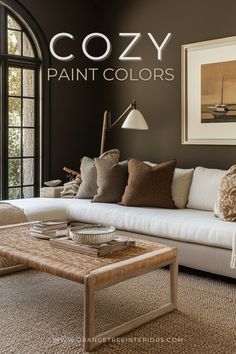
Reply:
x=17, y=245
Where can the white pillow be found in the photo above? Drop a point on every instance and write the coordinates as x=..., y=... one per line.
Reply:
x=204, y=189
x=181, y=185
x=182, y=180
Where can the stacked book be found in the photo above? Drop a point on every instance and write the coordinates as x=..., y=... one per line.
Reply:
x=49, y=229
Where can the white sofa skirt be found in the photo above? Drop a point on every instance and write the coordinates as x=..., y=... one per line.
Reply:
x=208, y=259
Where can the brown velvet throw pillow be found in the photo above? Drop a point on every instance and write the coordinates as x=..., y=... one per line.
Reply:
x=111, y=180
x=149, y=186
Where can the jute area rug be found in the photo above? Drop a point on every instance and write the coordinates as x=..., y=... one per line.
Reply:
x=40, y=313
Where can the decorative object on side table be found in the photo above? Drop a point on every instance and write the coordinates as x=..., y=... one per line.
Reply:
x=69, y=190
x=70, y=174
x=53, y=189
x=135, y=120
x=53, y=183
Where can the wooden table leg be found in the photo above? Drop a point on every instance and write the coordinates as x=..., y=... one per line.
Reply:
x=89, y=312
x=132, y=324
x=13, y=269
x=174, y=282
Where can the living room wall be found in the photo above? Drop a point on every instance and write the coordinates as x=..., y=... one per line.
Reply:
x=77, y=107
x=74, y=123
x=160, y=102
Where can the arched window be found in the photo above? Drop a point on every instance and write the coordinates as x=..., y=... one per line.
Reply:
x=20, y=68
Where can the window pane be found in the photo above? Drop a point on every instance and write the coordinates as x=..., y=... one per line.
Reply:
x=28, y=142
x=27, y=47
x=28, y=112
x=11, y=23
x=14, y=193
x=14, y=142
x=28, y=192
x=14, y=81
x=28, y=171
x=14, y=42
x=20, y=132
x=14, y=111
x=14, y=172
x=28, y=83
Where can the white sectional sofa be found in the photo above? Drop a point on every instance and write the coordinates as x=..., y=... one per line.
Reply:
x=204, y=241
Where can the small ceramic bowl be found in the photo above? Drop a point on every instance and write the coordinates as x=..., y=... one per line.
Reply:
x=53, y=183
x=92, y=235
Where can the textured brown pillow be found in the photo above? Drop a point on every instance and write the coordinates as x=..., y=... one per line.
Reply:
x=111, y=181
x=88, y=187
x=225, y=207
x=149, y=185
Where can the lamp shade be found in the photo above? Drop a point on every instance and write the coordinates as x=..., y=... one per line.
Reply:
x=135, y=120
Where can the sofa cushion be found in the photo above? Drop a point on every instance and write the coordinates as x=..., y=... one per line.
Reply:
x=225, y=207
x=181, y=185
x=204, y=188
x=43, y=208
x=149, y=185
x=111, y=180
x=88, y=186
x=187, y=225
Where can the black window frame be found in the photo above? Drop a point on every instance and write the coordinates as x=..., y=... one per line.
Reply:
x=41, y=92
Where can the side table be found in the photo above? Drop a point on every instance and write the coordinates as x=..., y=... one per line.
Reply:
x=51, y=192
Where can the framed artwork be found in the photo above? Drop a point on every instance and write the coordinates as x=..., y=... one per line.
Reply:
x=209, y=92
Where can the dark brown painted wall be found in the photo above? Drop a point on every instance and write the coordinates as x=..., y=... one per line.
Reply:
x=75, y=124
x=189, y=21
x=77, y=108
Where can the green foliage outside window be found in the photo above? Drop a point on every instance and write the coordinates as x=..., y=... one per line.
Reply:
x=20, y=113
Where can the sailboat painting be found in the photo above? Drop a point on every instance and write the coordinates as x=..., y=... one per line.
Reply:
x=218, y=92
